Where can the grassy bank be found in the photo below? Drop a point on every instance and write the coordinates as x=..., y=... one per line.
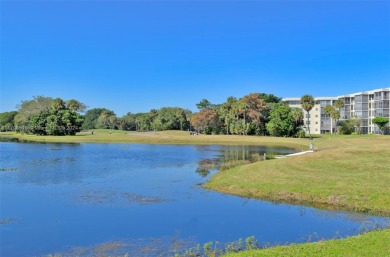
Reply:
x=349, y=172
x=375, y=243
x=162, y=137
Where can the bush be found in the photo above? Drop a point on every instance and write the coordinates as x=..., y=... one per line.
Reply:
x=301, y=134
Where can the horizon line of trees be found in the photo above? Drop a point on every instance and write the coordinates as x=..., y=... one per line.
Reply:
x=253, y=114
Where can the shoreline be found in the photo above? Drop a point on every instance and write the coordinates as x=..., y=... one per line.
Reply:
x=355, y=166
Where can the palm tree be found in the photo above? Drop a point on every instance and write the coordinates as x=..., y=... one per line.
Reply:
x=331, y=111
x=297, y=115
x=338, y=104
x=307, y=102
x=227, y=112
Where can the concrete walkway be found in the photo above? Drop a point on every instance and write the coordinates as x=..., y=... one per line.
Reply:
x=293, y=154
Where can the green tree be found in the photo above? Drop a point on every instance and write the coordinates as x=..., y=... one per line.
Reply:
x=181, y=116
x=7, y=121
x=27, y=109
x=226, y=112
x=297, y=115
x=380, y=122
x=307, y=102
x=338, y=105
x=37, y=123
x=75, y=105
x=55, y=122
x=204, y=104
x=91, y=117
x=270, y=98
x=58, y=104
x=106, y=120
x=128, y=122
x=47, y=116
x=282, y=122
x=356, y=124
x=333, y=113
x=169, y=118
x=346, y=127
x=240, y=109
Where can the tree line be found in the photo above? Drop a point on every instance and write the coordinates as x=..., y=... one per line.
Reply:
x=253, y=114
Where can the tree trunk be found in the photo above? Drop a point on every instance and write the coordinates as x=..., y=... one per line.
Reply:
x=331, y=125
x=244, y=124
x=308, y=124
x=227, y=126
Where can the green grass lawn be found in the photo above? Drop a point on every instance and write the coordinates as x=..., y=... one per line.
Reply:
x=371, y=244
x=351, y=173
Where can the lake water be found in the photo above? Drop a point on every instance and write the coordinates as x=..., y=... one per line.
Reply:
x=145, y=200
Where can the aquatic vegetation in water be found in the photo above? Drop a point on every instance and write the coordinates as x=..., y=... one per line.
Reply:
x=112, y=197
x=214, y=249
x=140, y=247
x=6, y=221
x=8, y=169
x=164, y=246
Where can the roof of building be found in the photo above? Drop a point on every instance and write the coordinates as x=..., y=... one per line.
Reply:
x=387, y=89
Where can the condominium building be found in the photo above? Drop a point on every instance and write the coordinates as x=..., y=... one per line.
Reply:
x=363, y=106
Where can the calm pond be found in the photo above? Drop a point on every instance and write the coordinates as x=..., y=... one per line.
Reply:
x=144, y=200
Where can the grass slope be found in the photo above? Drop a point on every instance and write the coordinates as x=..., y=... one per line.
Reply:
x=375, y=243
x=351, y=173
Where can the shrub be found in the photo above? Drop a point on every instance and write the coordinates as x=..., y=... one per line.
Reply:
x=301, y=133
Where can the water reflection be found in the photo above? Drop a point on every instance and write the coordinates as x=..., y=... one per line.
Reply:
x=205, y=166
x=231, y=156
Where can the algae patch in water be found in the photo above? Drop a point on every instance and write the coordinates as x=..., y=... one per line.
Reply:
x=8, y=169
x=6, y=221
x=134, y=247
x=112, y=197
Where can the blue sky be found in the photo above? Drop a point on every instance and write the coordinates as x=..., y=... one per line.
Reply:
x=132, y=56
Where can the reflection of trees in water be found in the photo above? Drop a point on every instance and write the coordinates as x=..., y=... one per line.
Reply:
x=229, y=156
x=206, y=165
x=202, y=172
x=245, y=153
